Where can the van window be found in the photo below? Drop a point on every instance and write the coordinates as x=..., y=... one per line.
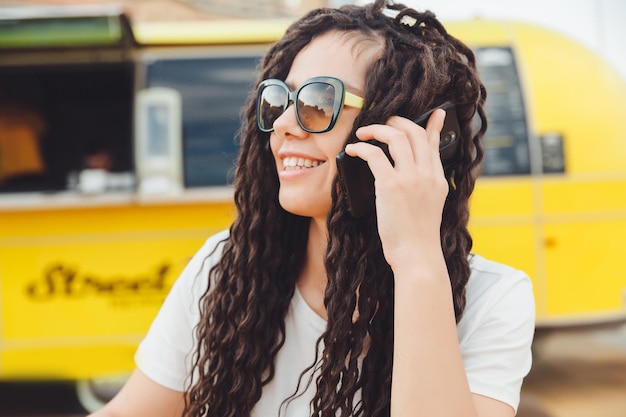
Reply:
x=506, y=139
x=70, y=117
x=213, y=92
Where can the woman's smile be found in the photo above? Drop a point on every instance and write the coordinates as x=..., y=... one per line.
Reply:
x=293, y=162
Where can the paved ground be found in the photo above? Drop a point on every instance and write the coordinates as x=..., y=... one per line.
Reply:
x=578, y=375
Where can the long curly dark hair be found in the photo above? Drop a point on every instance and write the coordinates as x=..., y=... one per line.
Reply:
x=242, y=313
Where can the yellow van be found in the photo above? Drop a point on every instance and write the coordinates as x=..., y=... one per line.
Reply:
x=552, y=198
x=135, y=148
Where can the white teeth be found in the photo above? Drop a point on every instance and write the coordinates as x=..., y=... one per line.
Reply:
x=294, y=162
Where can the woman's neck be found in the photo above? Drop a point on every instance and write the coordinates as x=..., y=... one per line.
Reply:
x=312, y=280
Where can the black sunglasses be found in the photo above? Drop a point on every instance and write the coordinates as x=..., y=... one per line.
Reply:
x=318, y=102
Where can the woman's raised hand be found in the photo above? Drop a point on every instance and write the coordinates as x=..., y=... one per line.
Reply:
x=410, y=194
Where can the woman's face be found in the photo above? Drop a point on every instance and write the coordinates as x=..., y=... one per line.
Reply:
x=306, y=161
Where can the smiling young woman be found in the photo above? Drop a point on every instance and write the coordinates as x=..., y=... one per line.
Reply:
x=307, y=192
x=301, y=309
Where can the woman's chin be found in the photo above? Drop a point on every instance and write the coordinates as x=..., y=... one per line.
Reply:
x=303, y=207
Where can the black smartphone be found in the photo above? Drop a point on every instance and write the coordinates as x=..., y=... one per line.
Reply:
x=357, y=180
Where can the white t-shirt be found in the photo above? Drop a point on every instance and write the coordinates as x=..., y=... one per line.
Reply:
x=495, y=335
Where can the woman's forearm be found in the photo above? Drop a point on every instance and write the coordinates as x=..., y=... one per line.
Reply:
x=428, y=374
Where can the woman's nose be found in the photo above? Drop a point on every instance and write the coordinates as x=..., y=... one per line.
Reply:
x=286, y=125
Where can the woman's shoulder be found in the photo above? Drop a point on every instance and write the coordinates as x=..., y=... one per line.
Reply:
x=480, y=264
x=214, y=244
x=494, y=286
x=210, y=252
x=486, y=273
x=496, y=329
x=196, y=273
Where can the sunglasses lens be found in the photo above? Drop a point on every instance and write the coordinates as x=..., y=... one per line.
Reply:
x=315, y=106
x=272, y=103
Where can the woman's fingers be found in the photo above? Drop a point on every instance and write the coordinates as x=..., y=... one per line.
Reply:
x=373, y=155
x=408, y=143
x=400, y=148
x=434, y=126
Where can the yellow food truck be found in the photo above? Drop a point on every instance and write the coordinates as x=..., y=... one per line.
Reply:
x=129, y=141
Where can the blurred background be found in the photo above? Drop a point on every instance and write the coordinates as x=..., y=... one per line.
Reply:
x=117, y=161
x=597, y=24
